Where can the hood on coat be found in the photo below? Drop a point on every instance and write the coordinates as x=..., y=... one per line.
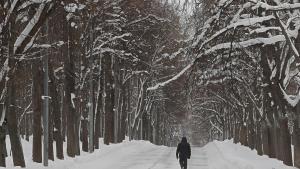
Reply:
x=184, y=140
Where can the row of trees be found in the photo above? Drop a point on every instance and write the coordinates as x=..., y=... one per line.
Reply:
x=245, y=77
x=103, y=57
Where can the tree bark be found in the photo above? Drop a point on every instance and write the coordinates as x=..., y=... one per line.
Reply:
x=258, y=144
x=37, y=89
x=56, y=115
x=69, y=95
x=108, y=99
x=265, y=139
x=243, y=135
x=12, y=124
x=296, y=141
x=99, y=106
x=2, y=141
x=285, y=142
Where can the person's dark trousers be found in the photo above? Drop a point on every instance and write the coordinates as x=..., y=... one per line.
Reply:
x=183, y=163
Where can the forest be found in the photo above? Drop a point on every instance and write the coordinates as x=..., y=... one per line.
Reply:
x=75, y=71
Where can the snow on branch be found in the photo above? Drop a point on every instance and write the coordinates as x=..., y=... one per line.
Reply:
x=4, y=70
x=287, y=37
x=280, y=7
x=210, y=21
x=158, y=85
x=247, y=43
x=12, y=8
x=293, y=100
x=265, y=29
x=150, y=16
x=115, y=38
x=215, y=126
x=239, y=23
x=228, y=45
x=3, y=115
x=26, y=32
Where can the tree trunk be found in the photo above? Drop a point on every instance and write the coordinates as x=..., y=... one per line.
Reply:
x=37, y=89
x=296, y=140
x=56, y=115
x=108, y=99
x=69, y=95
x=12, y=125
x=285, y=142
x=98, y=109
x=277, y=132
x=258, y=144
x=84, y=132
x=265, y=139
x=236, y=138
x=123, y=116
x=271, y=142
x=243, y=135
x=27, y=126
x=50, y=137
x=2, y=140
x=251, y=133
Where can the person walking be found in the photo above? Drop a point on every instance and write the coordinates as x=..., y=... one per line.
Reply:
x=184, y=152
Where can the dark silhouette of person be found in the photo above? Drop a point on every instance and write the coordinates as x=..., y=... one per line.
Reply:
x=184, y=152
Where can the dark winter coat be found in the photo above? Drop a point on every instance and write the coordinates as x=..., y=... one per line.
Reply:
x=183, y=149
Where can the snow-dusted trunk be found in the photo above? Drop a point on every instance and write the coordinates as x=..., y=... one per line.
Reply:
x=56, y=114
x=69, y=94
x=37, y=89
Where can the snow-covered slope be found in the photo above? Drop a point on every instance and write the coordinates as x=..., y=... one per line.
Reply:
x=144, y=155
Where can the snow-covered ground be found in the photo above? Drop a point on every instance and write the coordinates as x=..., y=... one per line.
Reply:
x=144, y=155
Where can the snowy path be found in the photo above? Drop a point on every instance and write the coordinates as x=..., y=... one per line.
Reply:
x=144, y=155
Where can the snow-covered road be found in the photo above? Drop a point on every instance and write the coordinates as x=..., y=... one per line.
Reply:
x=144, y=155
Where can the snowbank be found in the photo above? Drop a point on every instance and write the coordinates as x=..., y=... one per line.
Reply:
x=105, y=157
x=227, y=155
